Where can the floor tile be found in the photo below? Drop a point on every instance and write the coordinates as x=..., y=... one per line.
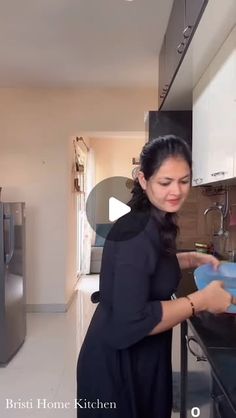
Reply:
x=45, y=366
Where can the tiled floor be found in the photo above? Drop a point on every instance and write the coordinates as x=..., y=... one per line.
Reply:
x=44, y=368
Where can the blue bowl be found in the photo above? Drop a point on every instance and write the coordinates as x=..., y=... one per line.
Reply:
x=226, y=272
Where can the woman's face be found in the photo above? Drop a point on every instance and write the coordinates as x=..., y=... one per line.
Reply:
x=168, y=187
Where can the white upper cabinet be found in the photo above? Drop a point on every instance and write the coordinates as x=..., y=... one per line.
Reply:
x=200, y=131
x=214, y=118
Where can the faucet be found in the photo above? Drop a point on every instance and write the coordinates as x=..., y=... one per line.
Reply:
x=223, y=208
x=221, y=236
x=219, y=207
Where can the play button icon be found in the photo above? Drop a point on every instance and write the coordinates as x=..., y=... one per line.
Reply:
x=106, y=207
x=117, y=209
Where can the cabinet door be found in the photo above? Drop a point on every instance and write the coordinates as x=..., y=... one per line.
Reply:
x=220, y=407
x=221, y=165
x=163, y=81
x=174, y=38
x=193, y=9
x=182, y=22
x=222, y=105
x=199, y=380
x=200, y=147
x=214, y=118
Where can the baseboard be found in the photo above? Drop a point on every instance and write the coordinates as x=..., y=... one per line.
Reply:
x=50, y=307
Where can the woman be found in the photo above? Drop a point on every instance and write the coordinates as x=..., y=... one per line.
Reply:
x=124, y=366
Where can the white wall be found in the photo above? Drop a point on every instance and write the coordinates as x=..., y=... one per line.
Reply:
x=36, y=126
x=114, y=155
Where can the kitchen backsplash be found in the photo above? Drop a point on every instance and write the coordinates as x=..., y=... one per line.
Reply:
x=195, y=227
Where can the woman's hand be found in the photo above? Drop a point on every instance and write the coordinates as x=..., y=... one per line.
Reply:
x=200, y=258
x=194, y=259
x=213, y=298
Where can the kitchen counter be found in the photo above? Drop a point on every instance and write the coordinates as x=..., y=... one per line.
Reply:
x=216, y=334
x=217, y=337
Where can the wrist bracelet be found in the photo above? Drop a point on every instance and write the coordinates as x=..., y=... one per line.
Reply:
x=192, y=305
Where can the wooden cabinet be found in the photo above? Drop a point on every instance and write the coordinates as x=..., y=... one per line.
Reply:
x=193, y=12
x=214, y=118
x=175, y=44
x=184, y=17
x=163, y=77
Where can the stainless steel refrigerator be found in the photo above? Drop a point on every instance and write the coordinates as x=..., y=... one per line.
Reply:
x=12, y=279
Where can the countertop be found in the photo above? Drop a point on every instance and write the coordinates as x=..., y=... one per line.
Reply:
x=216, y=335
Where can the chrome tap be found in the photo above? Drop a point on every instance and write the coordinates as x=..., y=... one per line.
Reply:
x=223, y=208
x=219, y=207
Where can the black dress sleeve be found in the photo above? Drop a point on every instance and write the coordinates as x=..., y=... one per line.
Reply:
x=133, y=315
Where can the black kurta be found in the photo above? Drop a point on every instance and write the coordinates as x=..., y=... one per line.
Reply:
x=122, y=371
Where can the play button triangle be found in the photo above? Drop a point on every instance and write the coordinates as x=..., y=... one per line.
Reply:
x=117, y=209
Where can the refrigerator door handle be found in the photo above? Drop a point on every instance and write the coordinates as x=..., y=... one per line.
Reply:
x=9, y=255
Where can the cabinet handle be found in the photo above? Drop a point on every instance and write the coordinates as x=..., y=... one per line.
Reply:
x=187, y=31
x=198, y=180
x=198, y=357
x=180, y=47
x=11, y=239
x=219, y=173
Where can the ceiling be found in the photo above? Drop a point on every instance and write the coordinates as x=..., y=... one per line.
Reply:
x=76, y=43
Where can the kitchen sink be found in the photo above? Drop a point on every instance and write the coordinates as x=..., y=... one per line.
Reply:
x=216, y=331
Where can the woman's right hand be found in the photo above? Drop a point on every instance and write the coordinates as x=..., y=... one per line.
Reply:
x=215, y=298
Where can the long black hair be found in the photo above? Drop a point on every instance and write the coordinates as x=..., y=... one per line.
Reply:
x=152, y=156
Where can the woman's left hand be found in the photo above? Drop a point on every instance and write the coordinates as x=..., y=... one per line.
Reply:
x=201, y=258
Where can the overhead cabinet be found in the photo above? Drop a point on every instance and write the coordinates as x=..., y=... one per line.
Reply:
x=193, y=10
x=214, y=118
x=174, y=38
x=163, y=78
x=184, y=18
x=200, y=130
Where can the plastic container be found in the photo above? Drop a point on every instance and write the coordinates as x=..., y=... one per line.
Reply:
x=226, y=272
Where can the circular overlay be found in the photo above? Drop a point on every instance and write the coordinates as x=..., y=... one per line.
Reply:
x=106, y=206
